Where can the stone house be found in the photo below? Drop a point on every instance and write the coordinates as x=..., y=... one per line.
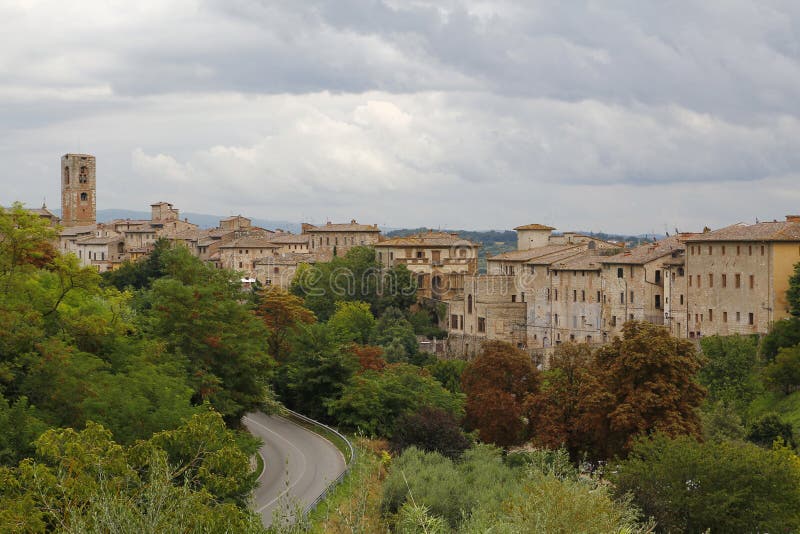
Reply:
x=738, y=277
x=438, y=260
x=241, y=254
x=329, y=240
x=279, y=270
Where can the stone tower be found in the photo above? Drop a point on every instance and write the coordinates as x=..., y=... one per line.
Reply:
x=78, y=190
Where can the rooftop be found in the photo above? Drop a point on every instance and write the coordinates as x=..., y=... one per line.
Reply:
x=544, y=254
x=250, y=242
x=428, y=239
x=534, y=227
x=587, y=261
x=650, y=251
x=289, y=238
x=352, y=226
x=762, y=231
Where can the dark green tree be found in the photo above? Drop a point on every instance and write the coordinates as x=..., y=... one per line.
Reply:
x=729, y=369
x=783, y=373
x=793, y=293
x=768, y=428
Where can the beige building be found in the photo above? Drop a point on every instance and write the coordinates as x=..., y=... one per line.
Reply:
x=291, y=243
x=279, y=270
x=241, y=254
x=330, y=239
x=439, y=261
x=738, y=277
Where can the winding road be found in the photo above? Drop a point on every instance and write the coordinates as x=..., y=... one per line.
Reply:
x=298, y=465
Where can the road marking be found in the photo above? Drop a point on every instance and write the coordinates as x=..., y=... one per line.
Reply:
x=305, y=464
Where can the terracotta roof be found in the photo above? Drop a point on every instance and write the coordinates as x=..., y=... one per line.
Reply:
x=545, y=254
x=534, y=227
x=650, y=251
x=763, y=231
x=250, y=242
x=105, y=240
x=289, y=238
x=42, y=212
x=77, y=230
x=234, y=217
x=428, y=239
x=588, y=261
x=352, y=226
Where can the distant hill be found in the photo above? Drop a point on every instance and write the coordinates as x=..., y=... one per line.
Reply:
x=203, y=220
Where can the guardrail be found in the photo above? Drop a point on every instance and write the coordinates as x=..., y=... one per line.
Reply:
x=348, y=463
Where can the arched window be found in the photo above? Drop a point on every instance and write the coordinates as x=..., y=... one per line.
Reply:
x=469, y=304
x=84, y=196
x=66, y=175
x=83, y=176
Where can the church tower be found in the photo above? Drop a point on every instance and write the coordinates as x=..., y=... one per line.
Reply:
x=78, y=190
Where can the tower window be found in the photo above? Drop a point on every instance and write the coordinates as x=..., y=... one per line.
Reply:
x=84, y=196
x=83, y=176
x=66, y=175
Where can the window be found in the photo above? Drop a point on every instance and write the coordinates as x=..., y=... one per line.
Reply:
x=690, y=281
x=84, y=196
x=555, y=295
x=613, y=320
x=619, y=272
x=738, y=249
x=710, y=314
x=276, y=270
x=469, y=304
x=66, y=175
x=522, y=296
x=681, y=300
x=555, y=319
x=454, y=322
x=598, y=296
x=723, y=250
x=724, y=280
x=724, y=317
x=752, y=281
x=547, y=293
x=574, y=295
x=698, y=280
x=572, y=337
x=692, y=249
x=738, y=281
x=658, y=302
x=762, y=253
x=622, y=297
x=709, y=250
x=658, y=276
x=751, y=317
x=631, y=301
x=583, y=295
x=420, y=254
x=513, y=298
x=710, y=280
x=481, y=324
x=83, y=175
x=738, y=317
x=750, y=250
x=631, y=317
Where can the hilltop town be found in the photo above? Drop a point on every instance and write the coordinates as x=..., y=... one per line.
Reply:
x=554, y=287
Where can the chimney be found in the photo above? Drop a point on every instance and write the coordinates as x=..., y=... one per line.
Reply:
x=793, y=218
x=352, y=221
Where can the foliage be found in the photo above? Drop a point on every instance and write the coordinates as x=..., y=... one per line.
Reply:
x=425, y=324
x=353, y=322
x=783, y=373
x=448, y=373
x=373, y=401
x=430, y=429
x=196, y=309
x=317, y=371
x=768, y=428
x=728, y=370
x=395, y=334
x=649, y=385
x=21, y=427
x=281, y=313
x=721, y=421
x=793, y=293
x=140, y=274
x=719, y=486
x=448, y=489
x=498, y=385
x=85, y=482
x=370, y=357
x=547, y=502
x=784, y=333
x=413, y=519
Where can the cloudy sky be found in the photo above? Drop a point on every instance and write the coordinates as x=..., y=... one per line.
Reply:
x=625, y=116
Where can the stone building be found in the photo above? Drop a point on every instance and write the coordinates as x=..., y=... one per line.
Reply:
x=291, y=243
x=78, y=190
x=332, y=239
x=438, y=260
x=105, y=250
x=242, y=253
x=279, y=270
x=738, y=277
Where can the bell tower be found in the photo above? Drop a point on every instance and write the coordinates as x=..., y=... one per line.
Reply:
x=78, y=190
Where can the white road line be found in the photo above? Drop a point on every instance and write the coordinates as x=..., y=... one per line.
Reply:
x=305, y=464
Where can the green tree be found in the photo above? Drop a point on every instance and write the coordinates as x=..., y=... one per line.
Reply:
x=784, y=333
x=768, y=428
x=783, y=373
x=21, y=427
x=395, y=334
x=728, y=372
x=197, y=311
x=281, y=313
x=721, y=421
x=353, y=322
x=448, y=373
x=317, y=371
x=140, y=274
x=373, y=401
x=717, y=486
x=793, y=293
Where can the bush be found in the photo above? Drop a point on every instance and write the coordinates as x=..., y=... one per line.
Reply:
x=432, y=430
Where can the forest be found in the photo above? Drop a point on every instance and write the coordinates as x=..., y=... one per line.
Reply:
x=121, y=397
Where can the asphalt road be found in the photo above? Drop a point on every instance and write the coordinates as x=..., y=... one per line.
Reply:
x=298, y=465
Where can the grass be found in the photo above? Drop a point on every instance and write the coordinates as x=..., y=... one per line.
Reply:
x=786, y=406
x=354, y=505
x=259, y=465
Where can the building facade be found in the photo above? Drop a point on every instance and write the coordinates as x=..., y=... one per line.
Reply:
x=78, y=190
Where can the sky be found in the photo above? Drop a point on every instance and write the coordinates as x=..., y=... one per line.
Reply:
x=618, y=116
